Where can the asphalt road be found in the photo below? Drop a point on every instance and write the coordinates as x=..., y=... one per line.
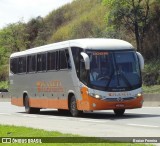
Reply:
x=144, y=122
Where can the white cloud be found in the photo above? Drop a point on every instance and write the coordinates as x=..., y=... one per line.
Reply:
x=15, y=10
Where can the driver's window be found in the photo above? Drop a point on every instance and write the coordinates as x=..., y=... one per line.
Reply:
x=83, y=71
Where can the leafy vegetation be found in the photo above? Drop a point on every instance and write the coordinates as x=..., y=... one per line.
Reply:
x=151, y=89
x=4, y=85
x=136, y=21
x=132, y=15
x=135, y=17
x=151, y=73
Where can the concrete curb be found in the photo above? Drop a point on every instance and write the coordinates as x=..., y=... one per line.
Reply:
x=149, y=99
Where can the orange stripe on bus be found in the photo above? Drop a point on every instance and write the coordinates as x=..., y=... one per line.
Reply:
x=42, y=103
x=17, y=101
x=48, y=103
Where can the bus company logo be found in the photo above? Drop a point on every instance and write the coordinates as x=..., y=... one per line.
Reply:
x=119, y=94
x=51, y=86
x=119, y=99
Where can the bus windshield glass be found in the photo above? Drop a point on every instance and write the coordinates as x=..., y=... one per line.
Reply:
x=114, y=70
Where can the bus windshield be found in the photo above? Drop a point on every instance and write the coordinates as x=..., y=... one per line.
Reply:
x=114, y=70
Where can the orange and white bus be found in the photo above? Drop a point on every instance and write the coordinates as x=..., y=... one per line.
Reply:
x=78, y=75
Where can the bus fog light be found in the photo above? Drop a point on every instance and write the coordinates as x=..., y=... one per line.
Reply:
x=94, y=105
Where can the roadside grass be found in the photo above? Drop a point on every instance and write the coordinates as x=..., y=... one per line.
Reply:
x=23, y=132
x=151, y=89
x=3, y=84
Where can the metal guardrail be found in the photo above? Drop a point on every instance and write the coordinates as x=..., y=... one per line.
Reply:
x=4, y=97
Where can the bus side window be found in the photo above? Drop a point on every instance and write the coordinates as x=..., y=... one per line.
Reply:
x=31, y=63
x=22, y=65
x=76, y=57
x=63, y=60
x=14, y=65
x=68, y=59
x=51, y=61
x=57, y=60
x=41, y=62
x=83, y=71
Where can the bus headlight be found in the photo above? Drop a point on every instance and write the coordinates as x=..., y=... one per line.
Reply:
x=95, y=95
x=139, y=95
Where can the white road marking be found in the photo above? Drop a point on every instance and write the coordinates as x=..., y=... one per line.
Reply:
x=31, y=116
x=94, y=121
x=150, y=107
x=5, y=114
x=139, y=125
x=59, y=118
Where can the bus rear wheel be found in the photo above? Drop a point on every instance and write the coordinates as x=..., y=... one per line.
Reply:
x=73, y=107
x=28, y=109
x=119, y=112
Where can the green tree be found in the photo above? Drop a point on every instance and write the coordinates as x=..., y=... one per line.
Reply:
x=14, y=38
x=83, y=29
x=132, y=15
x=42, y=33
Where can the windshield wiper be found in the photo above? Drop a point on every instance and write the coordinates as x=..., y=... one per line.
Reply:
x=125, y=79
x=110, y=79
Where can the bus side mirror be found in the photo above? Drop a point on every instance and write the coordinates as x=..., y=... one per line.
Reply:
x=141, y=60
x=86, y=60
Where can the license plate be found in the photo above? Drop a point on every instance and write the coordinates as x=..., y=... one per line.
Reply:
x=119, y=105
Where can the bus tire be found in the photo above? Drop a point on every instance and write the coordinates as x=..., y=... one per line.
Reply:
x=28, y=109
x=73, y=107
x=119, y=112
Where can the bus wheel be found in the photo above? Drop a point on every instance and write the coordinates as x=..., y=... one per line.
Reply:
x=28, y=109
x=73, y=107
x=119, y=112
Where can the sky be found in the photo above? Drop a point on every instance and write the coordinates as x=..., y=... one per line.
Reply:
x=12, y=11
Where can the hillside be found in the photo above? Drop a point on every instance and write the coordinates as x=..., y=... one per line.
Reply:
x=81, y=19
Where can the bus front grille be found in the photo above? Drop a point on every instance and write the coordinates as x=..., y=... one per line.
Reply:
x=119, y=99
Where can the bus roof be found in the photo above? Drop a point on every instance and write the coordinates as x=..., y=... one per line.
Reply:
x=87, y=43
